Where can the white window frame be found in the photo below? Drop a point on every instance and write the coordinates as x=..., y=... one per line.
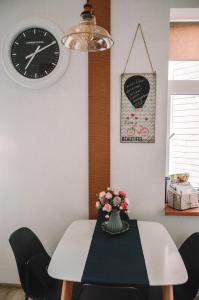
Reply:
x=180, y=87
x=177, y=87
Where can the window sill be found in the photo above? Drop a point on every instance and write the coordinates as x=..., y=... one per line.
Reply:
x=174, y=212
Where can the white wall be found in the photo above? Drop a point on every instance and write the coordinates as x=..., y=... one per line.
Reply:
x=43, y=134
x=43, y=141
x=139, y=169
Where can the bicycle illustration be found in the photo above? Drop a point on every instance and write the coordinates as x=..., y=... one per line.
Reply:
x=138, y=130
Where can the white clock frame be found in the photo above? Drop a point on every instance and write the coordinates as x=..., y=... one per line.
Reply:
x=58, y=71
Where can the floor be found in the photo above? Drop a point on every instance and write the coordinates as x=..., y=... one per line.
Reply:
x=11, y=293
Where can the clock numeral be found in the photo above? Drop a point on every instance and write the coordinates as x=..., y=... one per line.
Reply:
x=24, y=34
x=25, y=72
x=45, y=33
x=46, y=72
x=16, y=43
x=35, y=75
x=14, y=54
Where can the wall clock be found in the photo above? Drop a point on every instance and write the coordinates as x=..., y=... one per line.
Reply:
x=33, y=55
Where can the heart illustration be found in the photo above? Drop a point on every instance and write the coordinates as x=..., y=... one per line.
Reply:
x=137, y=89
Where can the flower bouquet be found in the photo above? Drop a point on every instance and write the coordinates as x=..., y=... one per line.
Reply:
x=112, y=203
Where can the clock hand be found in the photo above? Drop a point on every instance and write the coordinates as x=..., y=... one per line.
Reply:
x=30, y=55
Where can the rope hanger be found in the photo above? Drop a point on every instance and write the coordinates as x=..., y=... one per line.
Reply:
x=147, y=51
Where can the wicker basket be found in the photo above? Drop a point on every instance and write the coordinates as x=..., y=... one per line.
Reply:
x=182, y=201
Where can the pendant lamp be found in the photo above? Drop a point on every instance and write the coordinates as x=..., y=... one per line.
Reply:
x=87, y=36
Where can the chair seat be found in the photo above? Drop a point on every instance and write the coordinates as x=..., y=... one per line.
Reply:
x=93, y=292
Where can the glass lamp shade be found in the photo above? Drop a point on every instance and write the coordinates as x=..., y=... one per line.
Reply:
x=87, y=36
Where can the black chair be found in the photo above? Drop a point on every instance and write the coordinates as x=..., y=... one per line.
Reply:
x=187, y=291
x=99, y=292
x=189, y=252
x=32, y=263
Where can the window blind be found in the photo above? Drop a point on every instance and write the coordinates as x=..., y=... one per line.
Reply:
x=184, y=41
x=184, y=70
x=184, y=145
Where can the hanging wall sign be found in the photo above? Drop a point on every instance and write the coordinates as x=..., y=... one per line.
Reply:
x=138, y=105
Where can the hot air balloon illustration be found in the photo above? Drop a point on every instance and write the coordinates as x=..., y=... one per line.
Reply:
x=137, y=88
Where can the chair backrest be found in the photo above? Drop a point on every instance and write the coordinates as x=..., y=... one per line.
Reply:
x=189, y=252
x=99, y=292
x=25, y=244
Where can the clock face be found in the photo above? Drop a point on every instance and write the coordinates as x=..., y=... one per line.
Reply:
x=35, y=53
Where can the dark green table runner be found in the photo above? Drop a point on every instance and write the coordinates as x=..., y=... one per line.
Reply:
x=116, y=260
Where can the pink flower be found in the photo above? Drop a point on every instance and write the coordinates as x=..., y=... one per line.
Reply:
x=102, y=200
x=116, y=201
x=107, y=207
x=102, y=194
x=109, y=195
x=115, y=192
x=123, y=205
x=122, y=194
x=98, y=205
x=126, y=200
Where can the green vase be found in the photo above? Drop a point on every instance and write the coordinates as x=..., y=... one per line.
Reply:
x=114, y=223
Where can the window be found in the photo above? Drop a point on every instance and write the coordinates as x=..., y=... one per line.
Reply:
x=183, y=150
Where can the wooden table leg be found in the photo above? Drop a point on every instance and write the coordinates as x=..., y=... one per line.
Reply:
x=66, y=290
x=167, y=292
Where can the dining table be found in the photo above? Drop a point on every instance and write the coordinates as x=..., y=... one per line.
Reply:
x=145, y=255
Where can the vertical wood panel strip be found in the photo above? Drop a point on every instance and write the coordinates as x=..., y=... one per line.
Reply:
x=99, y=111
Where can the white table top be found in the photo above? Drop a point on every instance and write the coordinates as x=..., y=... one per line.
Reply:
x=163, y=262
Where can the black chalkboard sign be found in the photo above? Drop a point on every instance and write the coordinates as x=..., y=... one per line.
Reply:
x=137, y=89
